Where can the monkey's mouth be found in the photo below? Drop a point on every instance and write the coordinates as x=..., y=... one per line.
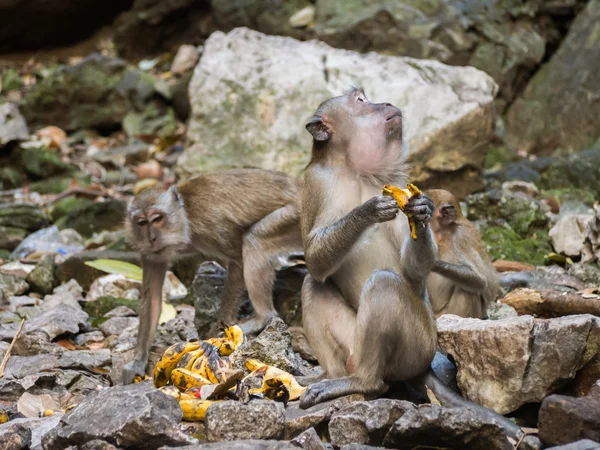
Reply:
x=393, y=116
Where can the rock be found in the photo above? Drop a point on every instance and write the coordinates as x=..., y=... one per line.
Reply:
x=97, y=444
x=499, y=311
x=273, y=346
x=120, y=311
x=574, y=177
x=41, y=279
x=35, y=343
x=32, y=405
x=366, y=422
x=102, y=305
x=12, y=285
x=44, y=240
x=154, y=120
x=309, y=440
x=124, y=155
x=540, y=278
x=60, y=320
x=14, y=436
x=95, y=217
x=67, y=294
x=584, y=444
x=41, y=162
x=588, y=274
x=17, y=268
x=569, y=233
x=230, y=421
x=186, y=58
x=38, y=428
x=84, y=339
x=436, y=426
x=124, y=416
x=523, y=187
x=502, y=242
x=22, y=366
x=563, y=420
x=504, y=364
x=239, y=64
x=568, y=119
x=96, y=93
x=239, y=445
x=74, y=267
x=298, y=420
x=25, y=216
x=300, y=344
x=116, y=325
x=206, y=292
x=12, y=124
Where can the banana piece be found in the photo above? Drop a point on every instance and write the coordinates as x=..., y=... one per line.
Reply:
x=185, y=379
x=169, y=360
x=170, y=390
x=194, y=409
x=187, y=360
x=234, y=337
x=272, y=376
x=253, y=364
x=402, y=196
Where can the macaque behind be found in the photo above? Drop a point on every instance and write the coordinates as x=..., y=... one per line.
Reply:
x=463, y=280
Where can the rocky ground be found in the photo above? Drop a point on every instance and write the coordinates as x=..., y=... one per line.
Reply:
x=501, y=102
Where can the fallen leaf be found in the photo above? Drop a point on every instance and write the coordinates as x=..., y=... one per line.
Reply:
x=167, y=313
x=65, y=343
x=52, y=136
x=432, y=398
x=95, y=345
x=149, y=169
x=126, y=269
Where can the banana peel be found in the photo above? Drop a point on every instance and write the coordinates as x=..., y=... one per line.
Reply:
x=234, y=337
x=185, y=379
x=194, y=409
x=170, y=358
x=402, y=196
x=272, y=377
x=171, y=390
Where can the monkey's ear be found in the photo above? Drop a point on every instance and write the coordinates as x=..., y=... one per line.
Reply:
x=318, y=128
x=176, y=195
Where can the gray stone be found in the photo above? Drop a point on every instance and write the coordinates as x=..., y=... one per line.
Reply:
x=17, y=301
x=206, y=292
x=436, y=426
x=230, y=421
x=12, y=124
x=87, y=338
x=126, y=416
x=60, y=320
x=584, y=444
x=539, y=279
x=14, y=436
x=588, y=274
x=308, y=440
x=186, y=58
x=120, y=311
x=300, y=75
x=41, y=279
x=563, y=419
x=116, y=325
x=38, y=428
x=569, y=118
x=499, y=311
x=126, y=155
x=35, y=342
x=504, y=364
x=22, y=366
x=12, y=285
x=239, y=445
x=366, y=422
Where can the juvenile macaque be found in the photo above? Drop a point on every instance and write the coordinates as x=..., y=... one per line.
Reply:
x=463, y=280
x=365, y=311
x=245, y=219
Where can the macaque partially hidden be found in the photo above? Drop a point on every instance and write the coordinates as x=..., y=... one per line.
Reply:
x=463, y=280
x=245, y=219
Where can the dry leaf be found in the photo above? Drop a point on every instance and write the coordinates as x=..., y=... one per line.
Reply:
x=150, y=169
x=432, y=398
x=95, y=345
x=65, y=343
x=52, y=137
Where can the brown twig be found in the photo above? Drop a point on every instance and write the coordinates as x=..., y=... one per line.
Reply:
x=7, y=354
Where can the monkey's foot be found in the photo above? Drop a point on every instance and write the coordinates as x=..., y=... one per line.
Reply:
x=327, y=390
x=132, y=369
x=255, y=325
x=308, y=380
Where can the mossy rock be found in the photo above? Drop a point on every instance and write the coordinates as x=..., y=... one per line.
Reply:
x=503, y=243
x=10, y=177
x=497, y=156
x=93, y=218
x=102, y=305
x=56, y=185
x=41, y=162
x=522, y=214
x=579, y=171
x=152, y=121
x=65, y=205
x=11, y=80
x=26, y=216
x=571, y=194
x=41, y=278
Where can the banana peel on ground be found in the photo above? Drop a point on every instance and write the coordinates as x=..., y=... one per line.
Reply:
x=402, y=196
x=272, y=378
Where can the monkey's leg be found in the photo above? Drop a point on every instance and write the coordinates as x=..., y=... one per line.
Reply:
x=388, y=340
x=448, y=397
x=233, y=291
x=328, y=324
x=274, y=236
x=152, y=283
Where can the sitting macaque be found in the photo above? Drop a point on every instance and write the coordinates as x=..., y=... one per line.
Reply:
x=463, y=280
x=365, y=311
x=245, y=219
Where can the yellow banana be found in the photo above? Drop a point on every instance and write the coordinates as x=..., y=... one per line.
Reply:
x=3, y=416
x=187, y=360
x=185, y=379
x=402, y=196
x=234, y=337
x=170, y=390
x=169, y=360
x=194, y=409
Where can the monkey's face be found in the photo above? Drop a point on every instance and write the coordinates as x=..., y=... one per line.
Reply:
x=157, y=222
x=444, y=216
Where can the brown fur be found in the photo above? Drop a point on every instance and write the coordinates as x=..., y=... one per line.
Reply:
x=469, y=282
x=364, y=303
x=245, y=219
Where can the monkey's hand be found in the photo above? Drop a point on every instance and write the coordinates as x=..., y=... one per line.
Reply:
x=381, y=208
x=132, y=369
x=420, y=209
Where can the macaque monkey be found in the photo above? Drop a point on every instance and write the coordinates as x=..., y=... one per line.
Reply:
x=365, y=307
x=463, y=280
x=245, y=219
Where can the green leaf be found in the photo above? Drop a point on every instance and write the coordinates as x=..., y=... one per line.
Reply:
x=167, y=313
x=126, y=269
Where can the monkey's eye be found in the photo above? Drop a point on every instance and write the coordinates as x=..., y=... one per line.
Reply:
x=142, y=223
x=157, y=219
x=360, y=99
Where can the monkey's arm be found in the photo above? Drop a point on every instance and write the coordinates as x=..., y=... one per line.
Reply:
x=152, y=283
x=232, y=292
x=461, y=274
x=418, y=255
